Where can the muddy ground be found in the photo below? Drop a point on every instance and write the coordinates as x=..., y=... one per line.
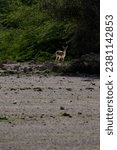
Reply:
x=46, y=112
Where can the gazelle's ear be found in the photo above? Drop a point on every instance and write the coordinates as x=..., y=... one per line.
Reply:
x=63, y=47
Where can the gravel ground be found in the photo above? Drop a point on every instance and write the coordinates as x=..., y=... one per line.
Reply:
x=49, y=113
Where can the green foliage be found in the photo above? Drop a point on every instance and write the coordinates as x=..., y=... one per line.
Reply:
x=35, y=29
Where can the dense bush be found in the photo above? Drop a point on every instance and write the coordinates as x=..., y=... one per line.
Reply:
x=35, y=29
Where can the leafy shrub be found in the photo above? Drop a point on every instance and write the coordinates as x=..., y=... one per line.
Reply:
x=35, y=29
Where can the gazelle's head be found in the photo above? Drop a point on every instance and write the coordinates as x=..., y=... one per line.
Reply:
x=65, y=48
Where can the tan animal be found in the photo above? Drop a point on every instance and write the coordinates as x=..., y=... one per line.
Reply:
x=60, y=55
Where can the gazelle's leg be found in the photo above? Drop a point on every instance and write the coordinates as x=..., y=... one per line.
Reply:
x=59, y=59
x=62, y=59
x=56, y=58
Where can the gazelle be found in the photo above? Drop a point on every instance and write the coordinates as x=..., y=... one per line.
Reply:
x=60, y=55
